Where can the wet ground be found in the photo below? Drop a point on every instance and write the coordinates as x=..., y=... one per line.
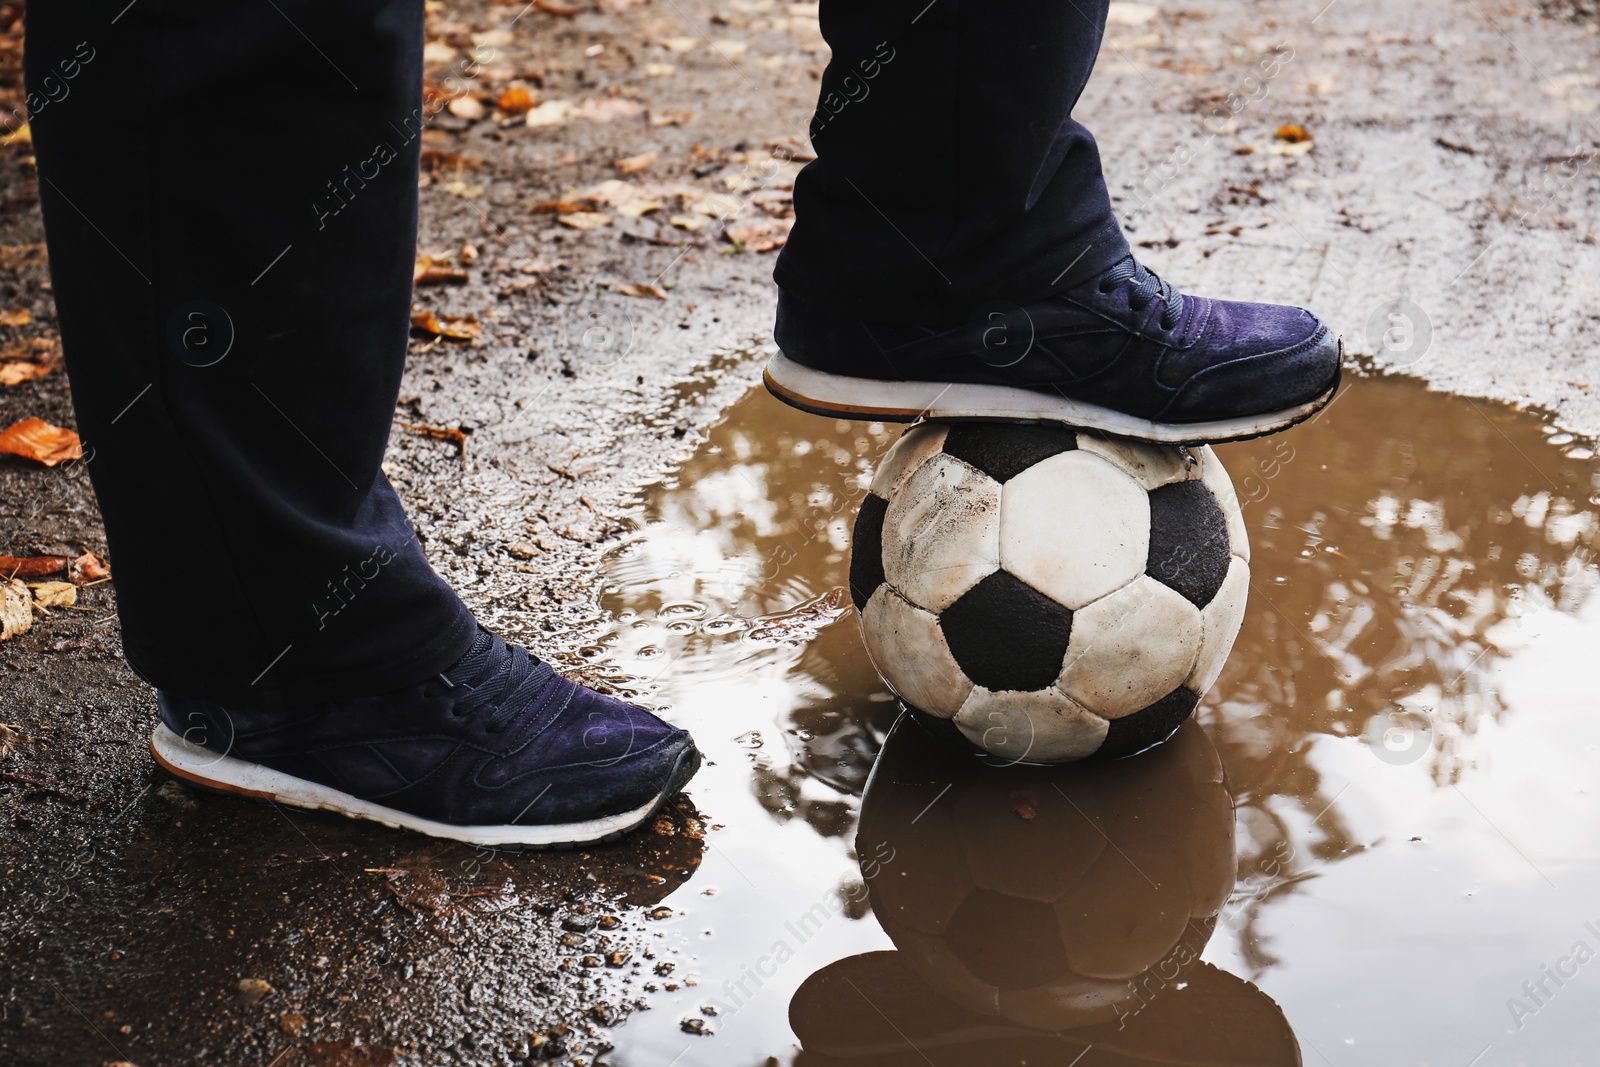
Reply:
x=1404, y=729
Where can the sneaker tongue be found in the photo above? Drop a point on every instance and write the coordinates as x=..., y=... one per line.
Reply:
x=496, y=673
x=474, y=668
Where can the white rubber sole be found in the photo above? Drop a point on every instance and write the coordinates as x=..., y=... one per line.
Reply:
x=844, y=397
x=229, y=774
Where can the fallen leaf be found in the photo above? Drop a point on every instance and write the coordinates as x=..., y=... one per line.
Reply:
x=655, y=292
x=462, y=189
x=16, y=317
x=551, y=113
x=54, y=594
x=715, y=205
x=428, y=272
x=21, y=135
x=659, y=70
x=635, y=208
x=436, y=159
x=552, y=7
x=90, y=567
x=671, y=117
x=31, y=566
x=437, y=52
x=450, y=327
x=634, y=164
x=603, y=109
x=16, y=609
x=690, y=222
x=516, y=101
x=730, y=49
x=467, y=107
x=1125, y=14
x=762, y=236
x=443, y=433
x=254, y=990
x=1293, y=134
x=10, y=737
x=585, y=220
x=38, y=440
x=16, y=372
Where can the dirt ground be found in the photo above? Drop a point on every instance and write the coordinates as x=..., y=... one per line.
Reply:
x=1438, y=204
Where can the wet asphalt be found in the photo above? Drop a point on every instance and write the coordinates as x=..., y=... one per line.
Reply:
x=1447, y=206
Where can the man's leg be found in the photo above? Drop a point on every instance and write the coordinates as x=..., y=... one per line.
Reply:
x=954, y=253
x=230, y=198
x=949, y=168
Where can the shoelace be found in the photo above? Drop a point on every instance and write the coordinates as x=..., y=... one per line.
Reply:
x=1146, y=287
x=495, y=674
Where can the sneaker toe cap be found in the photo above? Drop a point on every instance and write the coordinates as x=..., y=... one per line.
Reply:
x=1281, y=358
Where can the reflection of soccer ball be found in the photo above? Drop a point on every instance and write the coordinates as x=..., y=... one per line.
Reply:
x=1056, y=594
x=1052, y=897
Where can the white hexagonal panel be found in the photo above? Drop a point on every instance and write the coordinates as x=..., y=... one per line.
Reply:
x=1074, y=527
x=941, y=534
x=908, y=649
x=1151, y=465
x=1214, y=476
x=1041, y=727
x=1220, y=623
x=914, y=448
x=1130, y=648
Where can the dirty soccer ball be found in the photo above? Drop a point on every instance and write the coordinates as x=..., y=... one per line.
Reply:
x=1055, y=594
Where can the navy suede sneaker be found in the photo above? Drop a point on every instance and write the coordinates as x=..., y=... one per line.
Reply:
x=1124, y=353
x=498, y=750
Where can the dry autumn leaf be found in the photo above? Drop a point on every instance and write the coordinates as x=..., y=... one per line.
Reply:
x=554, y=8
x=54, y=594
x=551, y=113
x=450, y=327
x=16, y=609
x=655, y=292
x=671, y=117
x=31, y=566
x=21, y=135
x=429, y=272
x=516, y=101
x=609, y=109
x=89, y=567
x=16, y=317
x=18, y=371
x=634, y=164
x=443, y=433
x=37, y=440
x=1293, y=134
x=585, y=220
x=467, y=107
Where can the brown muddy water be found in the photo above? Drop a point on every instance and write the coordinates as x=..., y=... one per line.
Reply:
x=1376, y=843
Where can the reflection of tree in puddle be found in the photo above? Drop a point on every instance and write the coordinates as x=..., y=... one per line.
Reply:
x=1401, y=543
x=1397, y=555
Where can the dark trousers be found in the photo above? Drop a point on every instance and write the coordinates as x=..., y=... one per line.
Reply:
x=949, y=169
x=230, y=200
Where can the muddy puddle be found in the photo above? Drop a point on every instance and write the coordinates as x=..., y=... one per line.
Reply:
x=1377, y=842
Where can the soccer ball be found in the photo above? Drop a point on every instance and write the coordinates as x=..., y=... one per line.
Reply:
x=1055, y=594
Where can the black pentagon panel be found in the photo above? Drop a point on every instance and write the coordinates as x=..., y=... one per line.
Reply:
x=1006, y=635
x=1003, y=451
x=1006, y=941
x=1149, y=725
x=1188, y=541
x=866, y=550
